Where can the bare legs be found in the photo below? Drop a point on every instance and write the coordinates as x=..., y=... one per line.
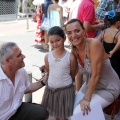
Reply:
x=46, y=46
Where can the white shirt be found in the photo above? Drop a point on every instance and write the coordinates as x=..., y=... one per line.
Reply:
x=74, y=9
x=65, y=6
x=11, y=95
x=59, y=71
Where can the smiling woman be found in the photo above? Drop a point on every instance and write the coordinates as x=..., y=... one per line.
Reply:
x=102, y=82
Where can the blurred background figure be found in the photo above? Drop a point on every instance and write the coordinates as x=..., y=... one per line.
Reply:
x=66, y=5
x=111, y=40
x=45, y=8
x=106, y=5
x=86, y=14
x=38, y=18
x=74, y=9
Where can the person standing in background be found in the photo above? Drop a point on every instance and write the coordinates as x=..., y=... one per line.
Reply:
x=86, y=14
x=106, y=5
x=65, y=4
x=111, y=39
x=55, y=13
x=74, y=9
x=45, y=8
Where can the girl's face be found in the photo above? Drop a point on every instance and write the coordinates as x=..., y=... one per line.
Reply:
x=75, y=33
x=56, y=42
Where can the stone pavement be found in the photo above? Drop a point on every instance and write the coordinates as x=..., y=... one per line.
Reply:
x=16, y=31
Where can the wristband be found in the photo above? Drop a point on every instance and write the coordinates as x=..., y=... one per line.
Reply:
x=43, y=84
x=88, y=100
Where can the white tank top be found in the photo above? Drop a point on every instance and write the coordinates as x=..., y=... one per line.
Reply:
x=59, y=71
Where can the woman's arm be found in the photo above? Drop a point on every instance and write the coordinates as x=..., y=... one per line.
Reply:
x=96, y=52
x=73, y=66
x=100, y=36
x=78, y=80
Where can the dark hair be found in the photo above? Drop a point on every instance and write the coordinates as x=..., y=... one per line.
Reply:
x=74, y=20
x=113, y=20
x=56, y=30
x=116, y=1
x=57, y=1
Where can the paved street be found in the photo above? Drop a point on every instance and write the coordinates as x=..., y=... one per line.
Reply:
x=17, y=31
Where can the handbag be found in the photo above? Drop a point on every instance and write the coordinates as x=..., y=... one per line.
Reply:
x=113, y=108
x=45, y=24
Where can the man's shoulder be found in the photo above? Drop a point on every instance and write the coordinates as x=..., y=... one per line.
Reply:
x=86, y=4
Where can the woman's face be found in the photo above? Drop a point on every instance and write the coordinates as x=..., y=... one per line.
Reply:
x=75, y=33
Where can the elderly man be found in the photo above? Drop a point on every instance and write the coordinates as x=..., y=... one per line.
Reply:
x=14, y=84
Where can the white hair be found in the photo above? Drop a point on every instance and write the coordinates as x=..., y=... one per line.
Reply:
x=6, y=51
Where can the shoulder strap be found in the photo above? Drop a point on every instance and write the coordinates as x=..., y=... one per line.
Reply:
x=116, y=34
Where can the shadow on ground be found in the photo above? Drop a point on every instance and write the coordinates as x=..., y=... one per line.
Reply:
x=40, y=48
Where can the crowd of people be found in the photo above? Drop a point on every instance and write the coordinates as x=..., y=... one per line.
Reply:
x=94, y=35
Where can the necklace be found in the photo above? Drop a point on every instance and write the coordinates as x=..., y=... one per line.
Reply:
x=79, y=59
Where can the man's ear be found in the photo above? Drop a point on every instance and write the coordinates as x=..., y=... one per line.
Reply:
x=64, y=38
x=7, y=60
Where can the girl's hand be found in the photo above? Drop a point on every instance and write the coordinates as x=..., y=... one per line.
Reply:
x=110, y=54
x=42, y=69
x=45, y=78
x=85, y=106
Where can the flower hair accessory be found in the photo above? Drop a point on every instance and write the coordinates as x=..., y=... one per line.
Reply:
x=111, y=14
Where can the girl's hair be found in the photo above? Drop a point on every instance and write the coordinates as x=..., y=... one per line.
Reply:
x=74, y=20
x=56, y=30
x=113, y=20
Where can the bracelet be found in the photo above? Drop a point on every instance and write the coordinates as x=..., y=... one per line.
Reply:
x=43, y=84
x=88, y=100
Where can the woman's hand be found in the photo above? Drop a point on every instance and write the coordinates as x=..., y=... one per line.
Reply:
x=111, y=54
x=85, y=106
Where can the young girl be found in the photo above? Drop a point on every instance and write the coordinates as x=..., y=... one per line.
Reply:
x=111, y=39
x=61, y=65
